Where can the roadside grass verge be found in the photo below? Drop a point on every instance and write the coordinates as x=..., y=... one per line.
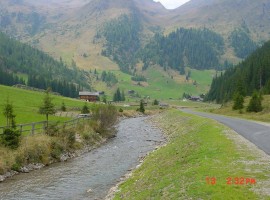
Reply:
x=260, y=116
x=198, y=148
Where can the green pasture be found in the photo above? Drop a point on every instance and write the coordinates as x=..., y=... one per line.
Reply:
x=160, y=85
x=26, y=105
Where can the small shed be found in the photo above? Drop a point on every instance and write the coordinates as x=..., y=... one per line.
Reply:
x=195, y=98
x=131, y=92
x=89, y=96
x=163, y=105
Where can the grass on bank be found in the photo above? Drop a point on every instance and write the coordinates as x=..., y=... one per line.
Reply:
x=264, y=116
x=48, y=147
x=197, y=148
x=45, y=148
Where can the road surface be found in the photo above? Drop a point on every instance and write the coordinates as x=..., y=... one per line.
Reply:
x=256, y=133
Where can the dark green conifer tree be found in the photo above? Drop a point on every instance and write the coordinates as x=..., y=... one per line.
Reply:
x=238, y=101
x=255, y=104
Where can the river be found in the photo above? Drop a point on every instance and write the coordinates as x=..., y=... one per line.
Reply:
x=91, y=175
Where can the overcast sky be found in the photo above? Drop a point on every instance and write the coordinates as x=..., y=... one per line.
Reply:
x=171, y=4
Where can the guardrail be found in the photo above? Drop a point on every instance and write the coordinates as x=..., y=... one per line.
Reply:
x=40, y=127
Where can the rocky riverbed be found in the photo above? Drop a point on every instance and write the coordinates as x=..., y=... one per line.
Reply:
x=91, y=175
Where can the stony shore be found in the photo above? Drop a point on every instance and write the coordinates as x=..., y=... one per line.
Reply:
x=64, y=157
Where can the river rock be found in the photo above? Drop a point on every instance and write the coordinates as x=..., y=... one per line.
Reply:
x=7, y=175
x=89, y=191
x=66, y=156
x=31, y=167
x=24, y=170
x=2, y=178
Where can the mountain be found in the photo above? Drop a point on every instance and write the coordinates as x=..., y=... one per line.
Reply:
x=22, y=64
x=120, y=34
x=250, y=75
x=67, y=28
x=224, y=16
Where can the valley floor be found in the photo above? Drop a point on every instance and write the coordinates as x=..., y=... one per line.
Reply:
x=202, y=160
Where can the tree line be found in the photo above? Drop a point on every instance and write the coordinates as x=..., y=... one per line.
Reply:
x=195, y=48
x=9, y=79
x=253, y=74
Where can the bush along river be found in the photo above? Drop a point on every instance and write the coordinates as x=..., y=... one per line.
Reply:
x=91, y=175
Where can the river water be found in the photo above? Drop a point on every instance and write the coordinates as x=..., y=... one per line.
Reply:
x=97, y=170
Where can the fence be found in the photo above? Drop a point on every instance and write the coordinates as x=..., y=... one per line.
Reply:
x=40, y=127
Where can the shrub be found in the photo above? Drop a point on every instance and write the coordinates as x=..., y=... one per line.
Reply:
x=63, y=107
x=11, y=138
x=68, y=136
x=34, y=149
x=52, y=129
x=105, y=116
x=7, y=159
x=142, y=109
x=155, y=102
x=85, y=109
x=57, y=149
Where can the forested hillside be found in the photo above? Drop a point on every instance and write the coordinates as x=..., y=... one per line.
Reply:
x=241, y=42
x=195, y=48
x=42, y=70
x=252, y=74
x=123, y=41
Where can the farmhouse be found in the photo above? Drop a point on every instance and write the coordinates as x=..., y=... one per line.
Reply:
x=195, y=98
x=89, y=96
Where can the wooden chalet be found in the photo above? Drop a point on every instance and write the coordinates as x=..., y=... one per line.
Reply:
x=89, y=96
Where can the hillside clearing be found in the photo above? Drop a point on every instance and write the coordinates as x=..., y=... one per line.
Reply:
x=161, y=85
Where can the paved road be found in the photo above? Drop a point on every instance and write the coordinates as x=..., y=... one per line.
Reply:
x=256, y=133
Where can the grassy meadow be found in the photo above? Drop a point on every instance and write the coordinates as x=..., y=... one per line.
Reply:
x=26, y=105
x=161, y=85
x=197, y=162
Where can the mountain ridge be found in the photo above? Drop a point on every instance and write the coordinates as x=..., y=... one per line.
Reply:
x=70, y=32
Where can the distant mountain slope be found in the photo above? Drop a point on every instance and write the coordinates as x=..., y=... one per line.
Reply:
x=41, y=70
x=68, y=28
x=225, y=15
x=252, y=74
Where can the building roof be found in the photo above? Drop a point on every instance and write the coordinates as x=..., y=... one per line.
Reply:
x=85, y=93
